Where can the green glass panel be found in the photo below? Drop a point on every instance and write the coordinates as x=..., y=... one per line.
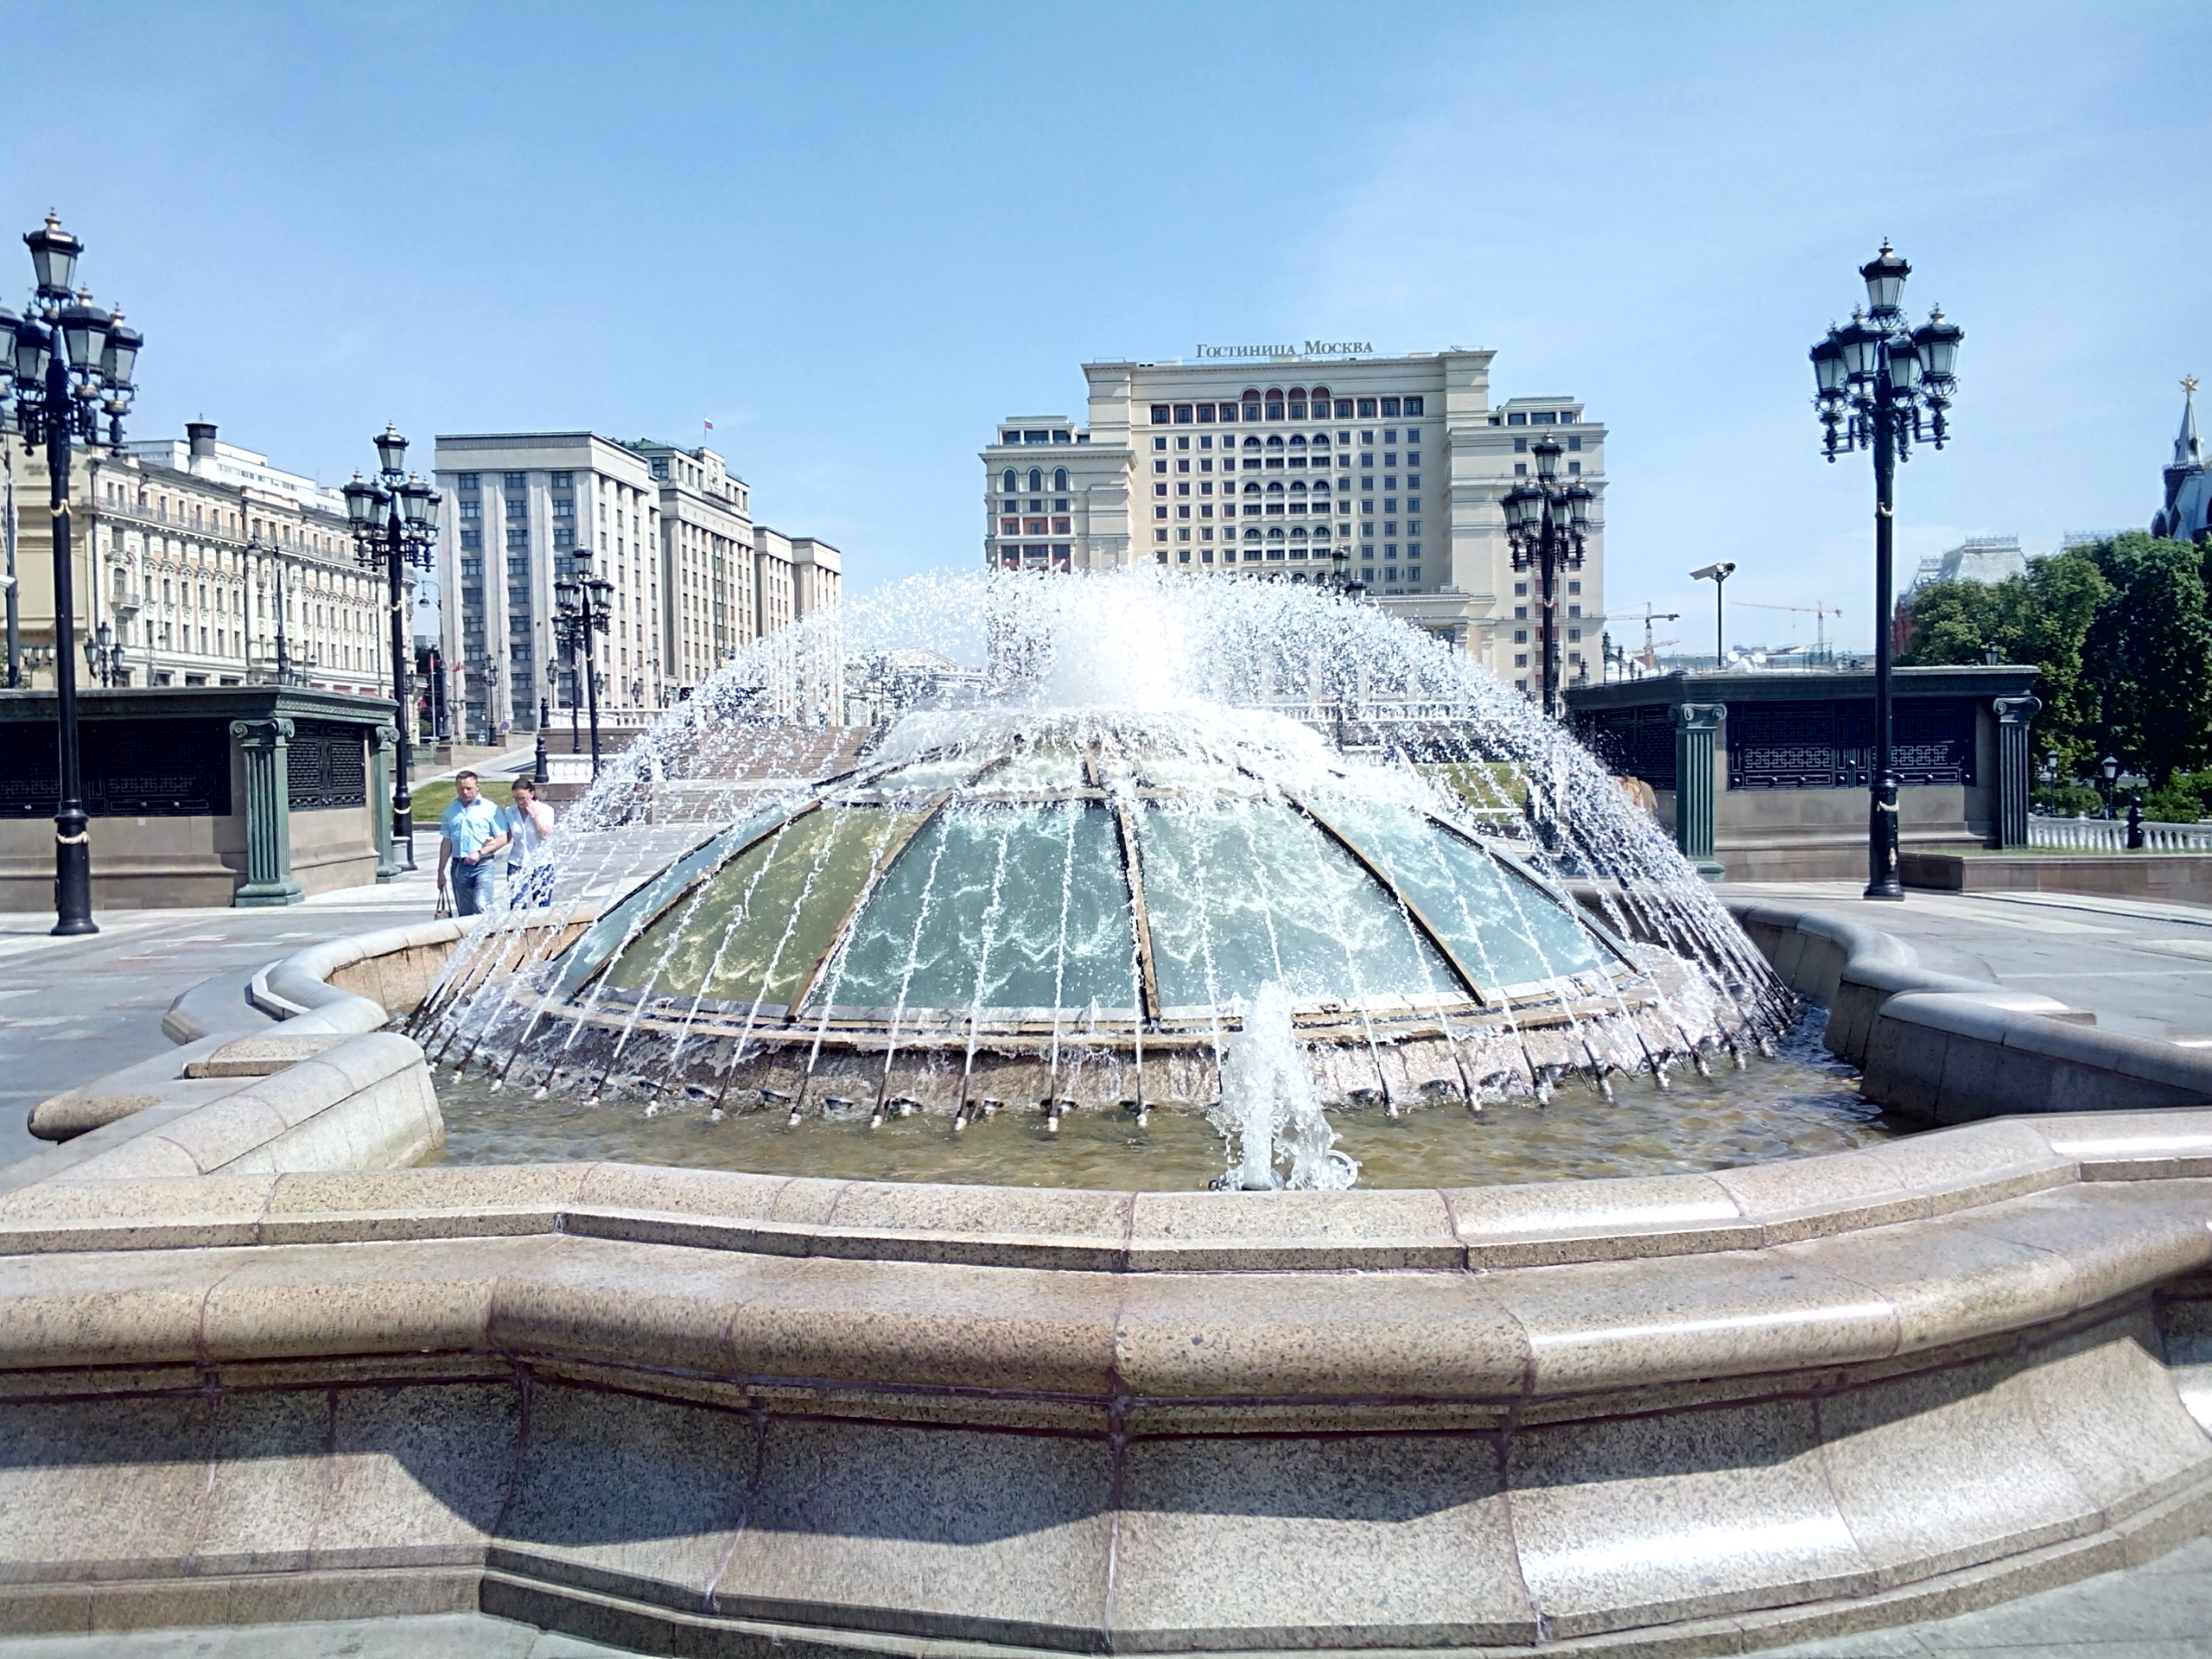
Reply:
x=1250, y=891
x=605, y=936
x=757, y=929
x=1503, y=929
x=996, y=907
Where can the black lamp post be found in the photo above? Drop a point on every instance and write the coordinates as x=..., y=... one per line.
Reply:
x=104, y=655
x=64, y=365
x=582, y=604
x=395, y=519
x=1545, y=523
x=2111, y=778
x=1876, y=378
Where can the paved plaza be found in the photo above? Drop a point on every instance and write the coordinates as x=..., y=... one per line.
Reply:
x=2144, y=969
x=74, y=1009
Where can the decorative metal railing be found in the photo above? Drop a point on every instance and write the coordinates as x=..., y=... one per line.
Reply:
x=2110, y=836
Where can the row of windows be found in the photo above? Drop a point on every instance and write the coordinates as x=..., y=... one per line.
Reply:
x=1252, y=555
x=1012, y=481
x=1296, y=407
x=1054, y=435
x=1538, y=417
x=1320, y=533
x=1299, y=445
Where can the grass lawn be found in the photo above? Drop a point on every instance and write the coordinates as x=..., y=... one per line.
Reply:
x=432, y=798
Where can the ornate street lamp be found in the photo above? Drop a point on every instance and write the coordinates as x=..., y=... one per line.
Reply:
x=582, y=603
x=104, y=655
x=1881, y=385
x=64, y=364
x=1547, y=524
x=395, y=520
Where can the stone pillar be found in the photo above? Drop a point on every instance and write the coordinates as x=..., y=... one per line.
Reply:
x=2013, y=767
x=261, y=743
x=385, y=756
x=1696, y=727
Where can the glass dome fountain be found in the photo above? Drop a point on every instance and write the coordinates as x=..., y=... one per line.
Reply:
x=1069, y=875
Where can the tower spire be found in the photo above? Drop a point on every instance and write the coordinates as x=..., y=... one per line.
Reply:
x=2187, y=452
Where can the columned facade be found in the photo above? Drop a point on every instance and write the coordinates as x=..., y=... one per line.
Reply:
x=184, y=549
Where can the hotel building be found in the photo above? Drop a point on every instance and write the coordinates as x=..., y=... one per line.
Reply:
x=695, y=579
x=1386, y=470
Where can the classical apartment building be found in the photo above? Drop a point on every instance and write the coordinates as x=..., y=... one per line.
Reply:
x=1388, y=470
x=185, y=549
x=694, y=580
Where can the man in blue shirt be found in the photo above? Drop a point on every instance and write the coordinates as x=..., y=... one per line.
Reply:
x=469, y=836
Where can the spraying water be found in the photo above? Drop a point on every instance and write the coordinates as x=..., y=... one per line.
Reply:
x=1268, y=1113
x=1137, y=842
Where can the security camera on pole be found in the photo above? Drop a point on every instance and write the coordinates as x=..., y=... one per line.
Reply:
x=1718, y=575
x=64, y=365
x=1876, y=380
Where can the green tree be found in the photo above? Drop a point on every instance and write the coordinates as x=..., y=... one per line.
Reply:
x=2042, y=617
x=2149, y=655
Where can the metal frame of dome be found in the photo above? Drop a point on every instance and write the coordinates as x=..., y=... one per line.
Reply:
x=1150, y=1050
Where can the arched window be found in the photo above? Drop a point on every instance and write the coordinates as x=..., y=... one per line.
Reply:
x=1274, y=394
x=1254, y=489
x=1321, y=402
x=1298, y=488
x=1251, y=535
x=1251, y=394
x=1320, y=487
x=1252, y=444
x=1036, y=478
x=1060, y=480
x=1275, y=444
x=1320, y=440
x=1298, y=442
x=1011, y=482
x=1275, y=489
x=1275, y=535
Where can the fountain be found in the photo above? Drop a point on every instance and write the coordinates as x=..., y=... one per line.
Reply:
x=1149, y=888
x=1153, y=812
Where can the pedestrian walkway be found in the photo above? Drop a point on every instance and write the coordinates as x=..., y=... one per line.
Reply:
x=2144, y=969
x=78, y=1009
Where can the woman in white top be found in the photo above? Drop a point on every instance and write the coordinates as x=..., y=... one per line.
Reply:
x=527, y=825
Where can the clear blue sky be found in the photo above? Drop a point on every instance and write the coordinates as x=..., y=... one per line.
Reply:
x=853, y=236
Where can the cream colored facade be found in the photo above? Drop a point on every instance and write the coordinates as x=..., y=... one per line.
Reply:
x=1388, y=470
x=695, y=579
x=178, y=548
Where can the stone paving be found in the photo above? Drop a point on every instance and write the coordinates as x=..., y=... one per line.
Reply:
x=2160, y=1610
x=73, y=1009
x=2145, y=969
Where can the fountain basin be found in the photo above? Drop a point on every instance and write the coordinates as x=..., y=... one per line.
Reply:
x=705, y=1410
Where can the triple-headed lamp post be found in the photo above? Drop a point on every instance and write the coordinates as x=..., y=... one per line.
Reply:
x=1546, y=524
x=64, y=365
x=1876, y=380
x=395, y=519
x=582, y=602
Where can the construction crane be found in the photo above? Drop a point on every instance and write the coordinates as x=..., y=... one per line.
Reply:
x=1650, y=654
x=1820, y=615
